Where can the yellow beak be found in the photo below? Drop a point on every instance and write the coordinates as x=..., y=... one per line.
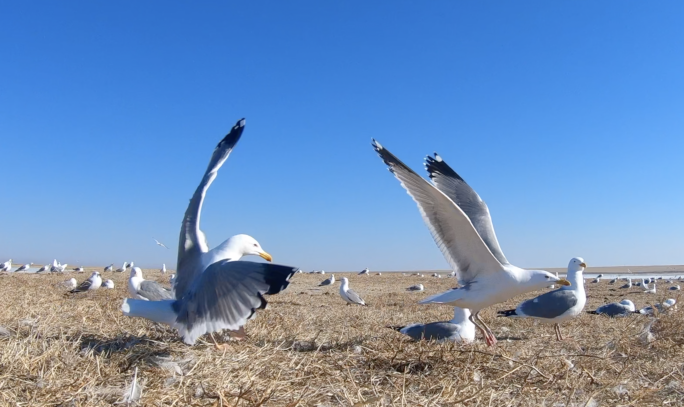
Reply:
x=563, y=281
x=265, y=256
x=583, y=265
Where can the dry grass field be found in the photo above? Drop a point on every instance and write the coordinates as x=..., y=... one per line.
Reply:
x=310, y=349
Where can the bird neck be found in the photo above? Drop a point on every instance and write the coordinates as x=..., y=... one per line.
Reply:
x=576, y=281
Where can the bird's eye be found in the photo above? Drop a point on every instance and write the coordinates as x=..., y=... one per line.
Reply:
x=547, y=277
x=256, y=245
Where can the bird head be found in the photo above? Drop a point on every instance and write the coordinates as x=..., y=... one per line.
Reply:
x=136, y=272
x=245, y=245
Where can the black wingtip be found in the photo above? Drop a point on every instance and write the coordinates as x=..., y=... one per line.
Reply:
x=233, y=136
x=436, y=165
x=507, y=313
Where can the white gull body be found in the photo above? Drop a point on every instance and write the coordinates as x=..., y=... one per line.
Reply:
x=459, y=329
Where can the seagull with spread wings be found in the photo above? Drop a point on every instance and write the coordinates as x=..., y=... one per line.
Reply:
x=462, y=228
x=159, y=243
x=214, y=291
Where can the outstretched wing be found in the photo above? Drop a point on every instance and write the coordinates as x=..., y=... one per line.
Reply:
x=450, y=227
x=455, y=187
x=153, y=291
x=192, y=242
x=226, y=295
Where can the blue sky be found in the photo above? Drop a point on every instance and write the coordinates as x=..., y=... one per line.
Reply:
x=567, y=118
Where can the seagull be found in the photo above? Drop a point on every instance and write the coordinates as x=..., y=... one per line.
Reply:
x=44, y=268
x=159, y=243
x=459, y=329
x=364, y=271
x=213, y=290
x=613, y=281
x=24, y=267
x=599, y=276
x=558, y=305
x=418, y=287
x=108, y=284
x=649, y=290
x=596, y=280
x=629, y=284
x=172, y=279
x=328, y=281
x=92, y=283
x=146, y=290
x=123, y=268
x=60, y=268
x=378, y=274
x=109, y=268
x=79, y=269
x=349, y=295
x=130, y=265
x=460, y=224
x=675, y=288
x=163, y=269
x=70, y=283
x=615, y=309
x=660, y=307
x=6, y=266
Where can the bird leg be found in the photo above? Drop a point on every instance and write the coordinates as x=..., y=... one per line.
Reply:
x=559, y=335
x=218, y=346
x=491, y=339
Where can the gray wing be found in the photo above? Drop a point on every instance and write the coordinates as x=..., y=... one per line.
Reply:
x=192, y=242
x=434, y=331
x=83, y=287
x=325, y=282
x=548, y=305
x=450, y=227
x=354, y=297
x=455, y=187
x=153, y=291
x=226, y=295
x=613, y=310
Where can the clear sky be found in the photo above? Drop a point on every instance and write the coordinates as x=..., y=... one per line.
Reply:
x=567, y=117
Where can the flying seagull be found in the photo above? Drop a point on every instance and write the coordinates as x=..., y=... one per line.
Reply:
x=558, y=305
x=460, y=224
x=213, y=291
x=459, y=329
x=615, y=309
x=349, y=295
x=147, y=290
x=92, y=283
x=159, y=243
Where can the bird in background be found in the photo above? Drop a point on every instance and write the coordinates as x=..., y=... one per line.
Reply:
x=349, y=295
x=91, y=283
x=159, y=243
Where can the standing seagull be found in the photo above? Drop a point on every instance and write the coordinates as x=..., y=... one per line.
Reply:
x=44, y=268
x=329, y=281
x=147, y=290
x=108, y=284
x=629, y=284
x=163, y=269
x=558, y=305
x=460, y=224
x=6, y=266
x=213, y=290
x=650, y=290
x=123, y=268
x=109, y=268
x=24, y=267
x=365, y=271
x=159, y=243
x=92, y=283
x=459, y=329
x=349, y=295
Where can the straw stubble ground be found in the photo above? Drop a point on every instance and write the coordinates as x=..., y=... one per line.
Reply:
x=310, y=349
